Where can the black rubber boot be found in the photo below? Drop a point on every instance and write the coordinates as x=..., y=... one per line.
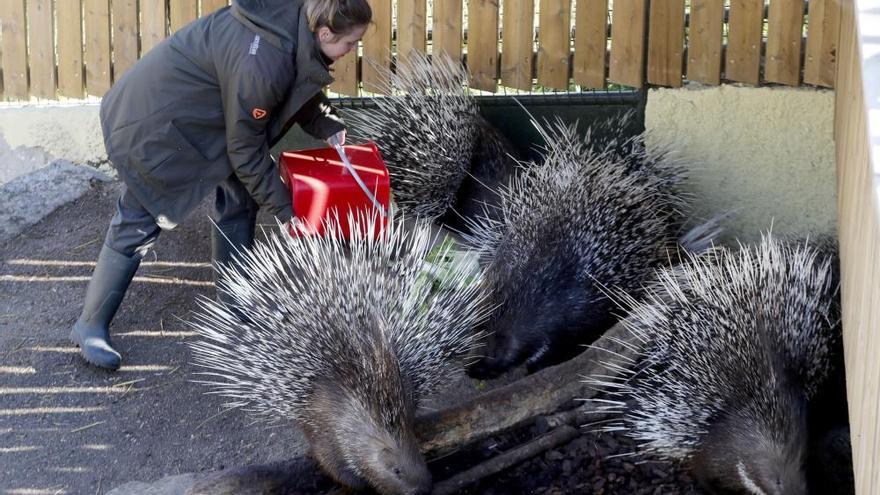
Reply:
x=227, y=239
x=91, y=332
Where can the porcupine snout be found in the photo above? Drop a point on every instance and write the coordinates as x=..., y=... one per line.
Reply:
x=540, y=326
x=743, y=455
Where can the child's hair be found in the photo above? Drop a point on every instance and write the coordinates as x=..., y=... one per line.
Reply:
x=340, y=16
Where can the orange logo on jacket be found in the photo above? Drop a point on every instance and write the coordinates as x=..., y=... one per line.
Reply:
x=259, y=113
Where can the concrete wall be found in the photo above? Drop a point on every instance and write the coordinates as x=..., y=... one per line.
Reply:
x=767, y=151
x=33, y=136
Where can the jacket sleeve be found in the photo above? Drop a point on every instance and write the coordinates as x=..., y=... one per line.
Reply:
x=249, y=95
x=318, y=118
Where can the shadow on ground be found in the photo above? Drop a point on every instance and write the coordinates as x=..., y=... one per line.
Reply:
x=66, y=427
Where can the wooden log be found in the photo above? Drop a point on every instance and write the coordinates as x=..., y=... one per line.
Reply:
x=515, y=404
x=491, y=413
x=499, y=463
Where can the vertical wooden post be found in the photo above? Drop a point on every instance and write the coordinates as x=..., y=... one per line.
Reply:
x=70, y=51
x=666, y=43
x=447, y=28
x=411, y=28
x=704, y=41
x=209, y=6
x=41, y=55
x=153, y=21
x=823, y=30
x=345, y=75
x=517, y=40
x=628, y=42
x=183, y=12
x=782, y=64
x=482, y=44
x=554, y=39
x=377, y=47
x=97, y=58
x=744, y=41
x=15, y=69
x=590, y=43
x=125, y=36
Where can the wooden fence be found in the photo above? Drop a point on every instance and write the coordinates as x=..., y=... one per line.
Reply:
x=858, y=170
x=71, y=48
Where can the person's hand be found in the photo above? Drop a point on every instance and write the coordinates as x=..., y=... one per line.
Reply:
x=338, y=138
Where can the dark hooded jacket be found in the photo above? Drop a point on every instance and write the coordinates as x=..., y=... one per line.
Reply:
x=210, y=101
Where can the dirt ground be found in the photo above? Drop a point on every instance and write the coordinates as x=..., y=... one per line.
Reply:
x=66, y=427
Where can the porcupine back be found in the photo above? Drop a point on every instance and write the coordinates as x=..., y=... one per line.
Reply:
x=443, y=157
x=732, y=346
x=344, y=338
x=592, y=215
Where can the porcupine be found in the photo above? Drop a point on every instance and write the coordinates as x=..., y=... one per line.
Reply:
x=345, y=338
x=731, y=347
x=444, y=158
x=597, y=213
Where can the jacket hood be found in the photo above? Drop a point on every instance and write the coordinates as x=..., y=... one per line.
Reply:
x=279, y=19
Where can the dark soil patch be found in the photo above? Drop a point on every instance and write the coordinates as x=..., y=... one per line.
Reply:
x=66, y=427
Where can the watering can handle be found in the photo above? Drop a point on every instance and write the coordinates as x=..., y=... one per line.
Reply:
x=334, y=141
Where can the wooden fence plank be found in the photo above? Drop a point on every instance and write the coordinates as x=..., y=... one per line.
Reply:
x=859, y=236
x=70, y=51
x=554, y=43
x=666, y=43
x=628, y=42
x=125, y=36
x=97, y=56
x=41, y=52
x=590, y=43
x=153, y=22
x=209, y=6
x=482, y=44
x=704, y=41
x=411, y=27
x=782, y=63
x=821, y=51
x=744, y=41
x=345, y=80
x=377, y=46
x=182, y=12
x=517, y=42
x=15, y=80
x=447, y=28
